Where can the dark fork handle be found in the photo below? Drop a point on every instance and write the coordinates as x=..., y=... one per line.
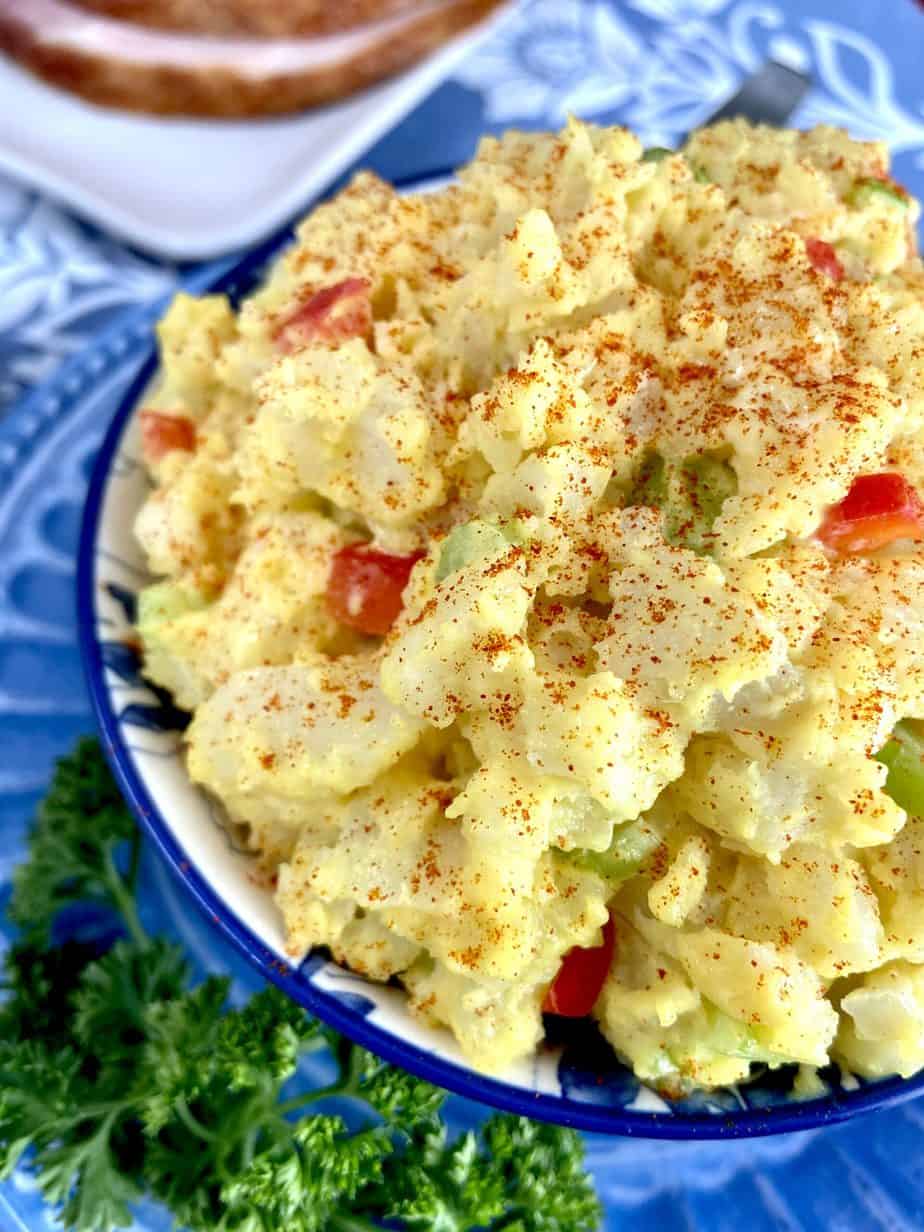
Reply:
x=769, y=96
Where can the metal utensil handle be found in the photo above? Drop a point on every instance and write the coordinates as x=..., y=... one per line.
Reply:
x=769, y=96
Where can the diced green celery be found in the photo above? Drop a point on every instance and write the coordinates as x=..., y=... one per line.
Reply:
x=715, y=1033
x=867, y=191
x=649, y=485
x=690, y=496
x=903, y=755
x=729, y=1037
x=700, y=1038
x=474, y=541
x=631, y=845
x=165, y=601
x=657, y=154
x=699, y=489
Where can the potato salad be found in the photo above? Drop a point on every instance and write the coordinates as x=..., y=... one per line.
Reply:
x=538, y=560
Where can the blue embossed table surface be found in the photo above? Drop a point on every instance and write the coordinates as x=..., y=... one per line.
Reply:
x=661, y=66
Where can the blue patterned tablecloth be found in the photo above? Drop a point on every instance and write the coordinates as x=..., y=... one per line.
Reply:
x=661, y=66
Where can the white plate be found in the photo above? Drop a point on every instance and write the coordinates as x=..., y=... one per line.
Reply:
x=190, y=189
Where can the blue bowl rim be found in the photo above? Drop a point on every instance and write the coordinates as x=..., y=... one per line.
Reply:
x=747, y=1122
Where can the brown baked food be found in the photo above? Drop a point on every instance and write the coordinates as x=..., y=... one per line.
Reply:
x=230, y=58
x=265, y=18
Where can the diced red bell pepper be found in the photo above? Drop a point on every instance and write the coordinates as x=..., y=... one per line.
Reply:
x=331, y=315
x=574, y=991
x=161, y=433
x=824, y=259
x=365, y=587
x=876, y=511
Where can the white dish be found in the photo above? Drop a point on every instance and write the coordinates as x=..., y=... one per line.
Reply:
x=192, y=189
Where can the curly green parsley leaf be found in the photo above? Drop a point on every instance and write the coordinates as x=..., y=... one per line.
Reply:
x=119, y=1079
x=72, y=852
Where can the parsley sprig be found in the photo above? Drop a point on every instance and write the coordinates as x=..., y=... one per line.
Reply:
x=120, y=1078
